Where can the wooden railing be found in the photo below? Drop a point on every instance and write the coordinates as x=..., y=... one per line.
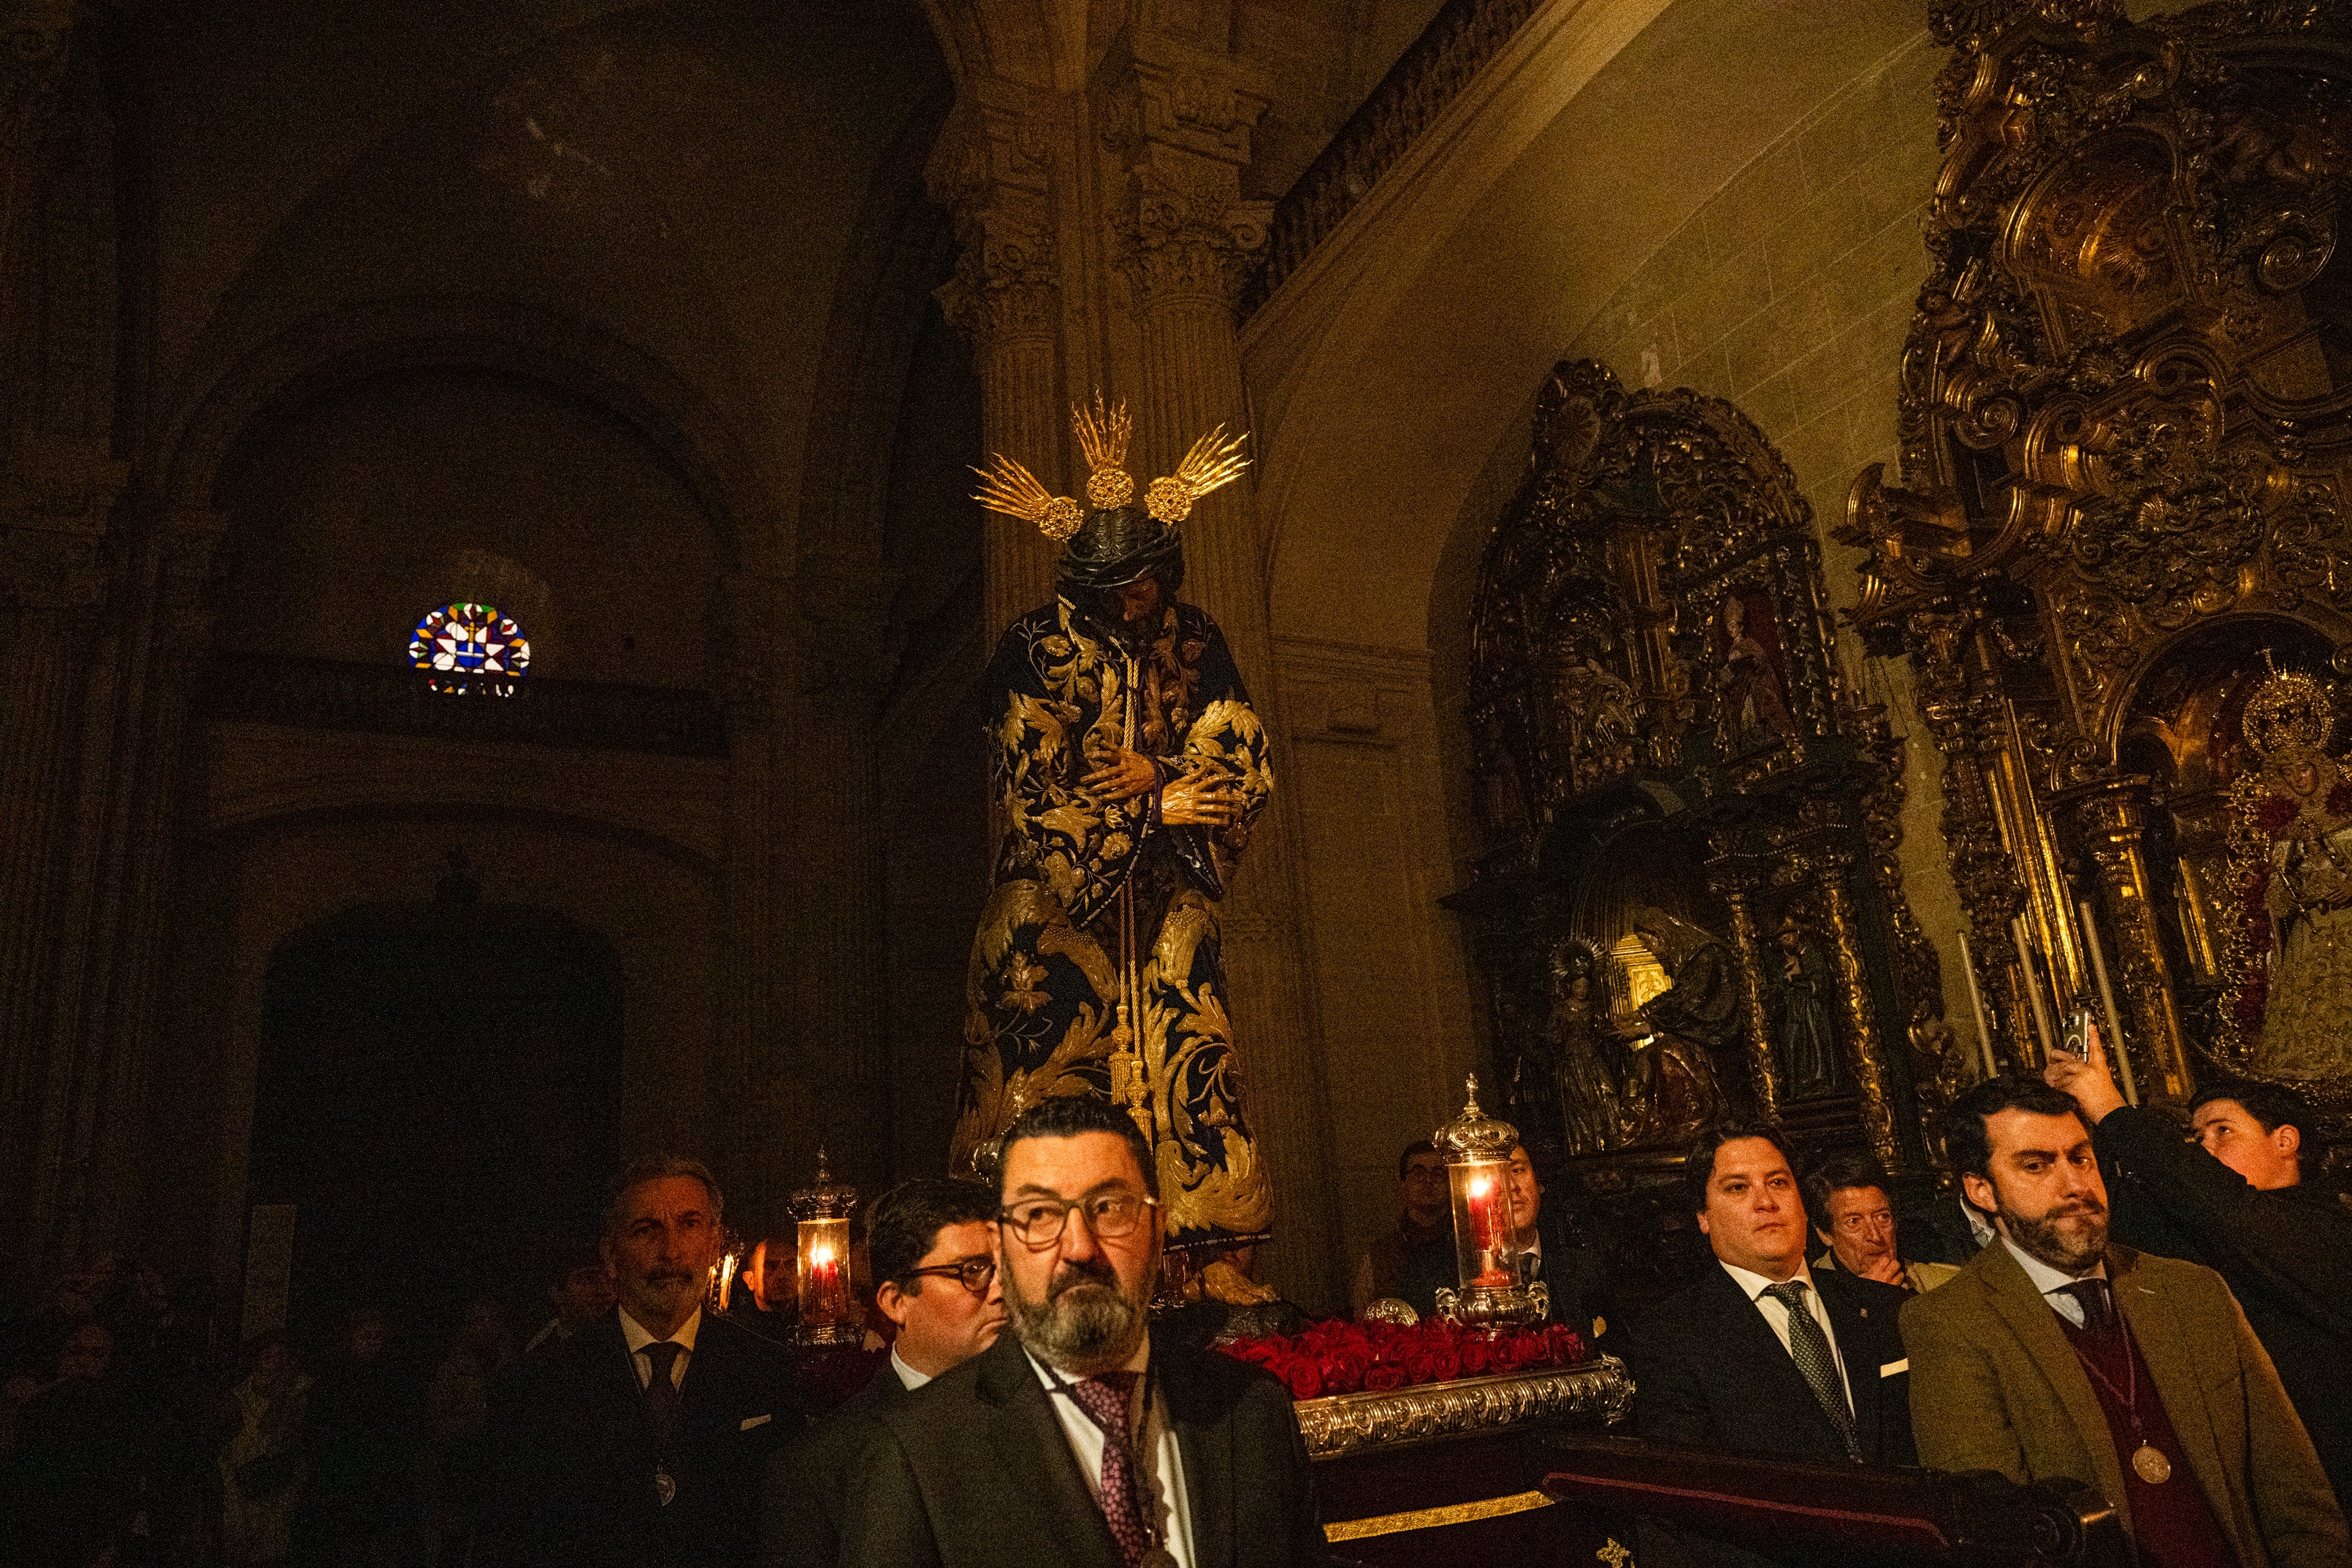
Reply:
x=1836, y=1516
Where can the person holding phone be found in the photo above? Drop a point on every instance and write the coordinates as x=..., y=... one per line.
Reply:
x=2236, y=1201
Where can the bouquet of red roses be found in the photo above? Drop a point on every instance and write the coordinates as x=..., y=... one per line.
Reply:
x=1342, y=1357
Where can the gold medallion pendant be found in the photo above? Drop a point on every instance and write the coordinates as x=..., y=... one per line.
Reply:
x=2152, y=1467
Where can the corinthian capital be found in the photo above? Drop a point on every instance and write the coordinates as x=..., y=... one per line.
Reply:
x=1179, y=119
x=1007, y=281
x=993, y=169
x=33, y=34
x=1190, y=238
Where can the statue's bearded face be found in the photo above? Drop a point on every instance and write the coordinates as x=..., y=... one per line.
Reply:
x=1138, y=601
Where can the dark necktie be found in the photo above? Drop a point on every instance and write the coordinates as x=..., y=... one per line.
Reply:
x=1810, y=1349
x=1105, y=1401
x=661, y=1392
x=2098, y=1315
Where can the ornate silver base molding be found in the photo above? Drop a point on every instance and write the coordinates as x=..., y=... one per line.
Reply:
x=1361, y=1422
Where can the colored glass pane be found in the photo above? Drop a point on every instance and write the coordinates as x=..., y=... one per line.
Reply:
x=470, y=648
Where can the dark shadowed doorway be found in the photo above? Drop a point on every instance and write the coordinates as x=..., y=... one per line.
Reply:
x=436, y=1099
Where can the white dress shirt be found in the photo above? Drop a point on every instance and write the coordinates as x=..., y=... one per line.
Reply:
x=909, y=1378
x=639, y=1337
x=1754, y=1285
x=1154, y=1437
x=2052, y=1282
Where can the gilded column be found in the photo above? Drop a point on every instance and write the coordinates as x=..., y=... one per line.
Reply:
x=1967, y=727
x=1734, y=881
x=993, y=169
x=1866, y=1047
x=1174, y=125
x=2112, y=818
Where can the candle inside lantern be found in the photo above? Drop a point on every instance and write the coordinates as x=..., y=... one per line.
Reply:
x=1483, y=1222
x=821, y=1256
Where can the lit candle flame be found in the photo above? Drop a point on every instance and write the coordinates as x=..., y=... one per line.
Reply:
x=1478, y=1185
x=820, y=1254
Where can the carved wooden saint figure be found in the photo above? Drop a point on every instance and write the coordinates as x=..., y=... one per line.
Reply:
x=1807, y=992
x=1670, y=1084
x=2292, y=843
x=1755, y=708
x=1586, y=1086
x=1129, y=765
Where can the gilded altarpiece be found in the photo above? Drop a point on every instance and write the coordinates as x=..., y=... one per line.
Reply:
x=1688, y=906
x=2117, y=554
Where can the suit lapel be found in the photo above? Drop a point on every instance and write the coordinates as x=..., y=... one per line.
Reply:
x=1861, y=1378
x=2164, y=1344
x=1028, y=1439
x=1204, y=1443
x=2029, y=1317
x=1754, y=1345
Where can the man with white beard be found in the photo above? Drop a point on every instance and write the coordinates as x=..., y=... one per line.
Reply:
x=1082, y=1437
x=2055, y=1354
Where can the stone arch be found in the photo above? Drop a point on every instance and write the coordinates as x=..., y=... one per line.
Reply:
x=342, y=347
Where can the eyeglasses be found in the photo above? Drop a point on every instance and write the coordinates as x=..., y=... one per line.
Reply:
x=1038, y=1221
x=973, y=1273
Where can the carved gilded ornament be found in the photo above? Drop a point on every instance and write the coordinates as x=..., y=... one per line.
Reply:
x=1366, y=1423
x=2124, y=420
x=1651, y=645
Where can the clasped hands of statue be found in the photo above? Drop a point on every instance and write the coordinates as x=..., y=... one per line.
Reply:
x=1208, y=799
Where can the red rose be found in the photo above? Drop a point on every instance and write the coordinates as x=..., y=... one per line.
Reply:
x=1476, y=1355
x=1304, y=1378
x=1508, y=1354
x=1445, y=1363
x=1383, y=1376
x=1419, y=1365
x=1258, y=1352
x=1344, y=1369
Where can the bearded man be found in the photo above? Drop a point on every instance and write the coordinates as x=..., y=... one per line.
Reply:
x=1082, y=1437
x=2055, y=1354
x=1129, y=766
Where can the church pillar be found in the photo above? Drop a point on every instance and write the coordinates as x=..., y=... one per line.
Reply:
x=992, y=169
x=93, y=1109
x=53, y=585
x=829, y=886
x=2111, y=818
x=1183, y=240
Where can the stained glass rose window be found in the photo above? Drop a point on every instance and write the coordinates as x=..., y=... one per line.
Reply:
x=470, y=648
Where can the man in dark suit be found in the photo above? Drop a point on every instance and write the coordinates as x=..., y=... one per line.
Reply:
x=640, y=1441
x=932, y=1241
x=1759, y=1352
x=1082, y=1437
x=2236, y=1201
x=1574, y=1277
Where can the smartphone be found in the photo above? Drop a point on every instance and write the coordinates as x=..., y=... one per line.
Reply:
x=2077, y=1042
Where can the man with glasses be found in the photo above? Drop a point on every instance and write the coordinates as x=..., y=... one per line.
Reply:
x=932, y=1241
x=1082, y=1437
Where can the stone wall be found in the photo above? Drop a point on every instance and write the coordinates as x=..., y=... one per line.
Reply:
x=1789, y=293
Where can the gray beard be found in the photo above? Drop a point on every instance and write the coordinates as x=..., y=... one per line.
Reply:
x=2044, y=1239
x=1084, y=1326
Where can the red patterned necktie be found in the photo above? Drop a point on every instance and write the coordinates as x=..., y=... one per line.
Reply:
x=1105, y=1400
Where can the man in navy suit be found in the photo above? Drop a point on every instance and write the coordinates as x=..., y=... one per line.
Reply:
x=1759, y=1352
x=640, y=1439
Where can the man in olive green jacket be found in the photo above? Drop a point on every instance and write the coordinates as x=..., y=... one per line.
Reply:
x=2001, y=1379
